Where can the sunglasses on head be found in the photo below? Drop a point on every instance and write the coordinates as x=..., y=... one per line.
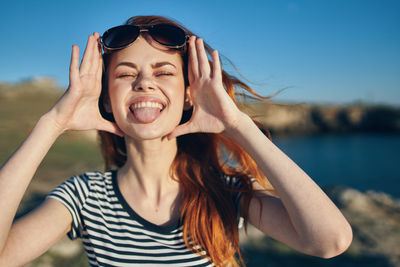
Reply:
x=123, y=36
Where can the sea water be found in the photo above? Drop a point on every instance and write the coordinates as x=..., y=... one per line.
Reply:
x=367, y=161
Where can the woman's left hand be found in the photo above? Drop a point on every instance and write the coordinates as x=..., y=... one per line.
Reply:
x=213, y=109
x=306, y=218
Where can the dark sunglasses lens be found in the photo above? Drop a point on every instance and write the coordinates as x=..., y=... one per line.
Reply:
x=168, y=35
x=120, y=36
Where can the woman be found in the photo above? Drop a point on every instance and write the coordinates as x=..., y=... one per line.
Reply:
x=166, y=111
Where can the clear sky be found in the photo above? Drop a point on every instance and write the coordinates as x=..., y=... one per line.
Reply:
x=337, y=51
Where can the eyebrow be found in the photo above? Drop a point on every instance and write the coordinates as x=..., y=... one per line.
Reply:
x=160, y=64
x=128, y=64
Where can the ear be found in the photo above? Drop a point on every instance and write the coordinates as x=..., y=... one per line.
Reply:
x=188, y=99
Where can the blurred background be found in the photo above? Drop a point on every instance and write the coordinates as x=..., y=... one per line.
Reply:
x=335, y=64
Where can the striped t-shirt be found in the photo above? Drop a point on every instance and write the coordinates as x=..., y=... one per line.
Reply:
x=113, y=234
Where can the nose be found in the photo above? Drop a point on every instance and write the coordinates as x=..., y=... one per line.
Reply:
x=143, y=83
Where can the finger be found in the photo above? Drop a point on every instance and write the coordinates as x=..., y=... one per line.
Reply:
x=216, y=66
x=96, y=52
x=74, y=65
x=99, y=61
x=99, y=71
x=204, y=65
x=87, y=56
x=182, y=129
x=193, y=63
x=96, y=36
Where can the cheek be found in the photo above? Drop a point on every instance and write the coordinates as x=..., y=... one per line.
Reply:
x=178, y=95
x=178, y=86
x=115, y=92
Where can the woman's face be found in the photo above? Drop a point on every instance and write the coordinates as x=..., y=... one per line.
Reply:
x=146, y=89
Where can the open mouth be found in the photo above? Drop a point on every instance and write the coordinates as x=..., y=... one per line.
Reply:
x=147, y=104
x=146, y=111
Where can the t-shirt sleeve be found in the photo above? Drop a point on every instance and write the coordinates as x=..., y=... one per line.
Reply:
x=72, y=194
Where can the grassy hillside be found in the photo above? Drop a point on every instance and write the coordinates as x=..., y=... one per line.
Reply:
x=20, y=108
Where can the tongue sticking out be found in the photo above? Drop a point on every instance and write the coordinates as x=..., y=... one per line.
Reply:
x=146, y=115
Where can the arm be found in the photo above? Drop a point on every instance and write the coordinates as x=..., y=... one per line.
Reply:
x=303, y=216
x=33, y=234
x=76, y=110
x=29, y=236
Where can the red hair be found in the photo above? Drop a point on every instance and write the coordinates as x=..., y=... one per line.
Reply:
x=208, y=210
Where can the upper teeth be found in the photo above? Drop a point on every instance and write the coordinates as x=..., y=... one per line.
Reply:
x=147, y=105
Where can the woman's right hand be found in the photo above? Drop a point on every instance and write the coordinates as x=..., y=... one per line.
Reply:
x=78, y=108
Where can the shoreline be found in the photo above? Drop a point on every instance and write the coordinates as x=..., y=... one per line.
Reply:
x=308, y=119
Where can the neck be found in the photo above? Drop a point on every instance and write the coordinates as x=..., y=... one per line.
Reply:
x=148, y=166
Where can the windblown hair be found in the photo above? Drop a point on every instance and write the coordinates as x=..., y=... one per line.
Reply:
x=210, y=221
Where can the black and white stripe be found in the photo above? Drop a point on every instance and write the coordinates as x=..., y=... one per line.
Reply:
x=113, y=234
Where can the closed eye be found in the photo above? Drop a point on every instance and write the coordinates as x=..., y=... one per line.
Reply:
x=164, y=73
x=127, y=75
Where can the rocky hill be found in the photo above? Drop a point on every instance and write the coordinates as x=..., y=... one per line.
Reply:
x=375, y=220
x=33, y=86
x=296, y=119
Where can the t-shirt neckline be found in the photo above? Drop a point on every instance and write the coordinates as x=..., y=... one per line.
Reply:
x=149, y=225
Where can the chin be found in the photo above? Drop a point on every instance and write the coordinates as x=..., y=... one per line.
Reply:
x=147, y=133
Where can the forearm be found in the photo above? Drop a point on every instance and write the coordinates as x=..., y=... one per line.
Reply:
x=313, y=215
x=17, y=172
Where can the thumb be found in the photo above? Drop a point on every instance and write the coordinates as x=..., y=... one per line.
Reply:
x=110, y=127
x=181, y=130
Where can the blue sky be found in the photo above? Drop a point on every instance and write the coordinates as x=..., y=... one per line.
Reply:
x=338, y=51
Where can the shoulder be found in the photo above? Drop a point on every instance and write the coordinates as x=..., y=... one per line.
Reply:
x=95, y=178
x=81, y=185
